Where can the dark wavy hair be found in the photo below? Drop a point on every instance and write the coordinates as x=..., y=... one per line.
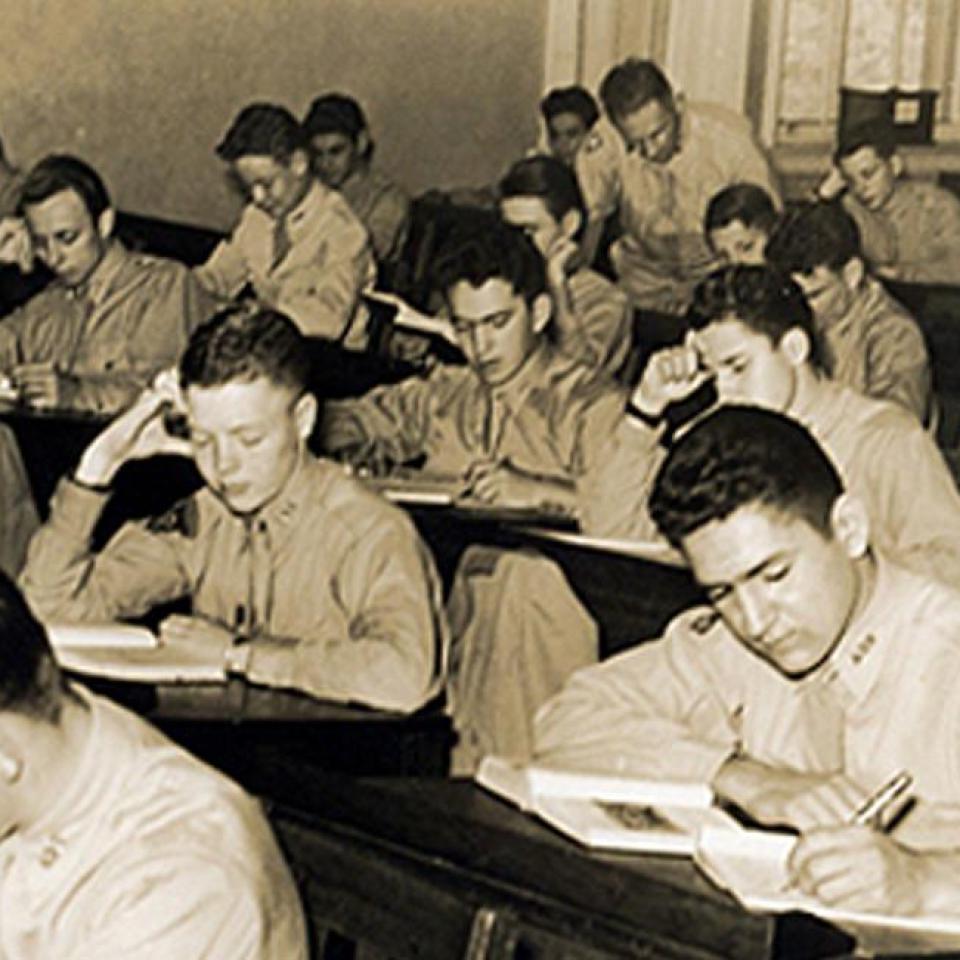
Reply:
x=813, y=234
x=58, y=172
x=739, y=456
x=262, y=130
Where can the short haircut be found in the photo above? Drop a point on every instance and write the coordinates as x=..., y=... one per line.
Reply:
x=740, y=456
x=30, y=681
x=547, y=178
x=813, y=234
x=746, y=202
x=485, y=248
x=243, y=343
x=758, y=296
x=574, y=99
x=877, y=133
x=631, y=85
x=262, y=130
x=58, y=172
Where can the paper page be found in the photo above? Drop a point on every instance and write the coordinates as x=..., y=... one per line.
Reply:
x=113, y=635
x=165, y=663
x=653, y=550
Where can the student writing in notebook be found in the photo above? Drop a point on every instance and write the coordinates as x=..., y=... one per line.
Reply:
x=818, y=668
x=298, y=576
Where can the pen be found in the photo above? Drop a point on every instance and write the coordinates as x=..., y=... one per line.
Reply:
x=870, y=812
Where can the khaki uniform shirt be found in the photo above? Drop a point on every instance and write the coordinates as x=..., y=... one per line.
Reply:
x=549, y=419
x=147, y=854
x=663, y=253
x=884, y=457
x=382, y=207
x=678, y=707
x=878, y=349
x=330, y=580
x=915, y=236
x=318, y=280
x=132, y=318
x=602, y=330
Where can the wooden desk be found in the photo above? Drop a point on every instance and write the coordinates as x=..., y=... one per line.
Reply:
x=439, y=869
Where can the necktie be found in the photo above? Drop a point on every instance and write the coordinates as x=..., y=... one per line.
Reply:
x=281, y=241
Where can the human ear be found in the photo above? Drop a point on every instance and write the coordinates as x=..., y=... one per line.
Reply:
x=795, y=346
x=850, y=525
x=853, y=273
x=541, y=310
x=106, y=222
x=299, y=163
x=896, y=165
x=305, y=414
x=570, y=223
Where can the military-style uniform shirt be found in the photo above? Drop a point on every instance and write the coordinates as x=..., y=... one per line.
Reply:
x=329, y=580
x=383, y=208
x=915, y=235
x=131, y=319
x=878, y=349
x=884, y=457
x=663, y=253
x=678, y=707
x=601, y=332
x=147, y=854
x=549, y=419
x=315, y=276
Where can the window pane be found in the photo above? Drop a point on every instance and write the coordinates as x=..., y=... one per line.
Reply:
x=884, y=45
x=806, y=60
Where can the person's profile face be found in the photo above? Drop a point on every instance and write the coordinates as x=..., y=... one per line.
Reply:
x=247, y=439
x=829, y=295
x=566, y=133
x=335, y=157
x=494, y=327
x=276, y=187
x=869, y=177
x=531, y=215
x=747, y=366
x=737, y=243
x=783, y=588
x=65, y=236
x=653, y=130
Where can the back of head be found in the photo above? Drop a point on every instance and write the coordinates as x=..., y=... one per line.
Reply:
x=485, y=248
x=262, y=130
x=242, y=344
x=738, y=457
x=574, y=99
x=58, y=172
x=30, y=681
x=631, y=85
x=814, y=234
x=744, y=202
x=760, y=297
x=877, y=133
x=547, y=178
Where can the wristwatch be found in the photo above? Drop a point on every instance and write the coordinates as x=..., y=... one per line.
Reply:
x=236, y=660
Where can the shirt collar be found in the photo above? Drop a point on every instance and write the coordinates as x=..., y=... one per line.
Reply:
x=531, y=375
x=95, y=288
x=857, y=661
x=314, y=200
x=280, y=516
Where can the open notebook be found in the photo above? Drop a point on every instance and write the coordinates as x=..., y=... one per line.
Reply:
x=608, y=812
x=124, y=652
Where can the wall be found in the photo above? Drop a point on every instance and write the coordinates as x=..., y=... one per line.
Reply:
x=144, y=88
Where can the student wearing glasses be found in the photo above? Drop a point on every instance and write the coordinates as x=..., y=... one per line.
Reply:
x=297, y=244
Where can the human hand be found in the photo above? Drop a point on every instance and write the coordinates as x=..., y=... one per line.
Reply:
x=559, y=258
x=785, y=797
x=832, y=185
x=671, y=374
x=137, y=434
x=15, y=244
x=42, y=385
x=858, y=868
x=197, y=633
x=495, y=481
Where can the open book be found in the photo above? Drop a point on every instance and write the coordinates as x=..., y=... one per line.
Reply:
x=752, y=865
x=608, y=812
x=124, y=652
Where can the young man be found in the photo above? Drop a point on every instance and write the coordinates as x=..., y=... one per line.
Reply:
x=592, y=320
x=520, y=422
x=569, y=114
x=354, y=620
x=819, y=669
x=115, y=842
x=753, y=335
x=674, y=157
x=342, y=151
x=298, y=244
x=111, y=319
x=910, y=229
x=738, y=223
x=870, y=342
